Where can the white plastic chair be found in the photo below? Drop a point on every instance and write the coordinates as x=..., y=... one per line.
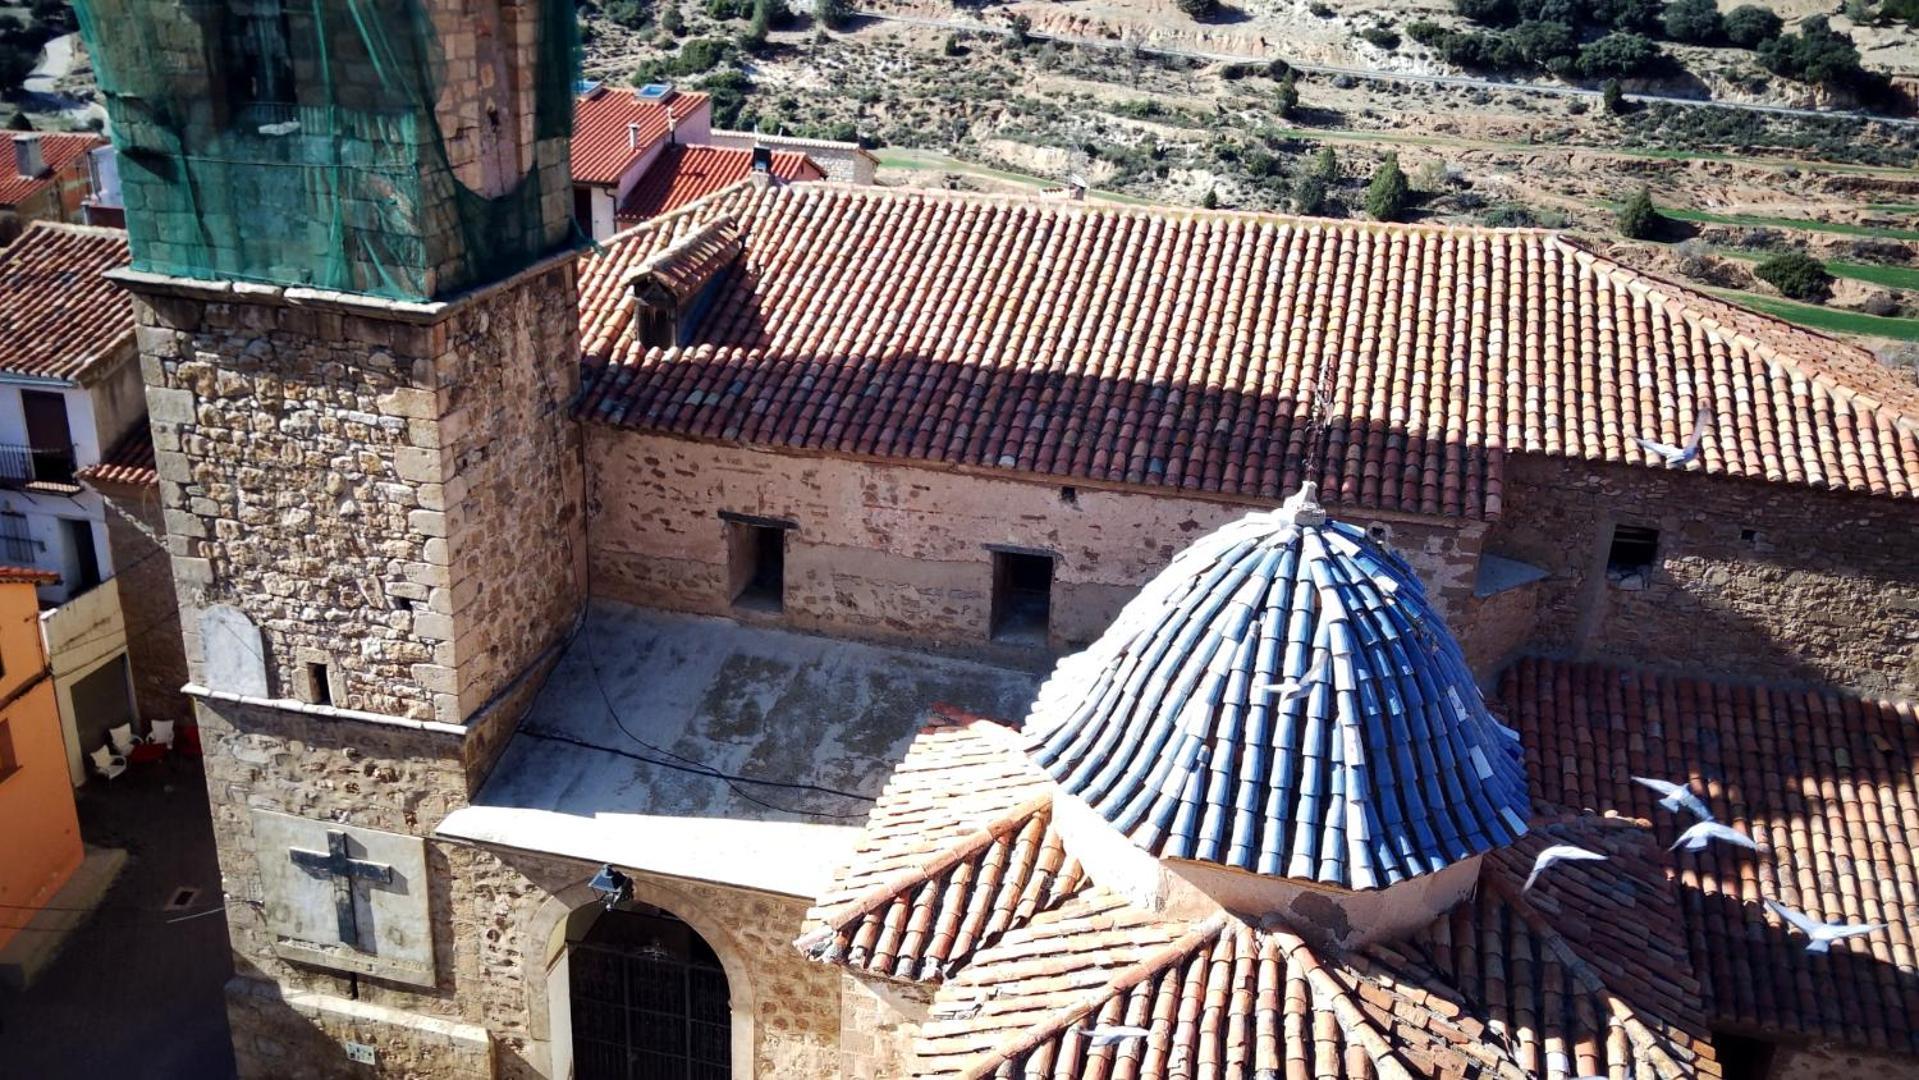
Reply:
x=123, y=739
x=161, y=732
x=107, y=763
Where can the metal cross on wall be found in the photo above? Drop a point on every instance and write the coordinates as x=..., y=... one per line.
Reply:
x=334, y=862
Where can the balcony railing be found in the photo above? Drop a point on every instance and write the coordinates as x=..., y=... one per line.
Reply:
x=23, y=465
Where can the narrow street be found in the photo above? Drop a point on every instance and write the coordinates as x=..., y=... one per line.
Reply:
x=136, y=992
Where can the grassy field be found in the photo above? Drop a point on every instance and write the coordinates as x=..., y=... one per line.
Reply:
x=1832, y=320
x=901, y=157
x=1839, y=227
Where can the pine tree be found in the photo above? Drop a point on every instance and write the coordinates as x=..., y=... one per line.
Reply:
x=1388, y=195
x=1639, y=219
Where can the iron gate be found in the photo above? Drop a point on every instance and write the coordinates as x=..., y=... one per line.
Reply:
x=650, y=1002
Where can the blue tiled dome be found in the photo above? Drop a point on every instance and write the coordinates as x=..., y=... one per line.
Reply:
x=1178, y=727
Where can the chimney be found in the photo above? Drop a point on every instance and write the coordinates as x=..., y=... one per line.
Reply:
x=633, y=135
x=27, y=156
x=762, y=158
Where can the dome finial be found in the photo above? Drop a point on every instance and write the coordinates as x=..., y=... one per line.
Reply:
x=1302, y=507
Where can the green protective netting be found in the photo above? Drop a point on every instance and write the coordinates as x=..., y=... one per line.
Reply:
x=399, y=148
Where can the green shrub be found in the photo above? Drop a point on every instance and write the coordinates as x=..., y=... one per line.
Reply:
x=1541, y=41
x=1639, y=219
x=1381, y=36
x=1816, y=54
x=1022, y=27
x=832, y=14
x=1482, y=52
x=952, y=47
x=672, y=21
x=1325, y=165
x=728, y=9
x=1628, y=16
x=628, y=13
x=1388, y=196
x=1309, y=195
x=1277, y=69
x=1797, y=275
x=1199, y=9
x=1618, y=55
x=1489, y=12
x=1210, y=200
x=16, y=63
x=1426, y=32
x=1750, y=26
x=1286, y=100
x=1696, y=22
x=1613, y=96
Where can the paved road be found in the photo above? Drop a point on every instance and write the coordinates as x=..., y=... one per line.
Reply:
x=132, y=995
x=1464, y=81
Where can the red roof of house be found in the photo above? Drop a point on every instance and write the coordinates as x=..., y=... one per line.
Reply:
x=1190, y=349
x=58, y=313
x=1825, y=781
x=129, y=461
x=26, y=575
x=685, y=173
x=603, y=145
x=59, y=149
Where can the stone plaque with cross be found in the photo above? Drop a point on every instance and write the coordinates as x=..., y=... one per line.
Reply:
x=346, y=898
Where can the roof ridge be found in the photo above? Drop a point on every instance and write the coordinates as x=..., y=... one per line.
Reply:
x=73, y=228
x=1057, y=1021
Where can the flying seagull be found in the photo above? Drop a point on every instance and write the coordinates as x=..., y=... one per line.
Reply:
x=1288, y=689
x=1679, y=457
x=1704, y=832
x=1676, y=797
x=1107, y=1034
x=1821, y=935
x=1559, y=853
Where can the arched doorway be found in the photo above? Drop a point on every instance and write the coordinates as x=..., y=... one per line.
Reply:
x=648, y=1000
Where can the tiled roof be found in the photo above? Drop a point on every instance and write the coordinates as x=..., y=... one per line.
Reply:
x=57, y=313
x=1824, y=781
x=1384, y=766
x=959, y=847
x=603, y=146
x=1491, y=989
x=1186, y=348
x=58, y=149
x=129, y=461
x=685, y=173
x=27, y=575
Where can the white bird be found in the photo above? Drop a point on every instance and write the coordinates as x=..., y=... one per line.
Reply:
x=1680, y=456
x=1288, y=689
x=1704, y=832
x=1107, y=1034
x=1821, y=935
x=1559, y=853
x=1676, y=797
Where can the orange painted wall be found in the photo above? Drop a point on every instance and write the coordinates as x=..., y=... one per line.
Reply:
x=39, y=829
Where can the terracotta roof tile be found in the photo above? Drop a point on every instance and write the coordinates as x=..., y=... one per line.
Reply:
x=27, y=575
x=59, y=150
x=1825, y=781
x=684, y=268
x=685, y=173
x=603, y=145
x=129, y=461
x=58, y=313
x=1186, y=349
x=959, y=847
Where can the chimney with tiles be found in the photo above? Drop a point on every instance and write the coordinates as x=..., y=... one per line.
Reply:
x=1280, y=726
x=672, y=128
x=28, y=157
x=633, y=135
x=762, y=158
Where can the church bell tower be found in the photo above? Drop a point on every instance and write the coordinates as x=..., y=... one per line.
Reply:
x=353, y=269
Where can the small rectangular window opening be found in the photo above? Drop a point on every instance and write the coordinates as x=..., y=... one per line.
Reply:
x=1742, y=1057
x=9, y=764
x=757, y=557
x=1634, y=550
x=1022, y=596
x=319, y=689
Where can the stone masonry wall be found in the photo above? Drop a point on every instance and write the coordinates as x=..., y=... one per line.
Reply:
x=397, y=501
x=900, y=552
x=1756, y=580
x=1828, y=1061
x=879, y=1021
x=136, y=535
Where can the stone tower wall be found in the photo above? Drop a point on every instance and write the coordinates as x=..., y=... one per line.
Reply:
x=395, y=499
